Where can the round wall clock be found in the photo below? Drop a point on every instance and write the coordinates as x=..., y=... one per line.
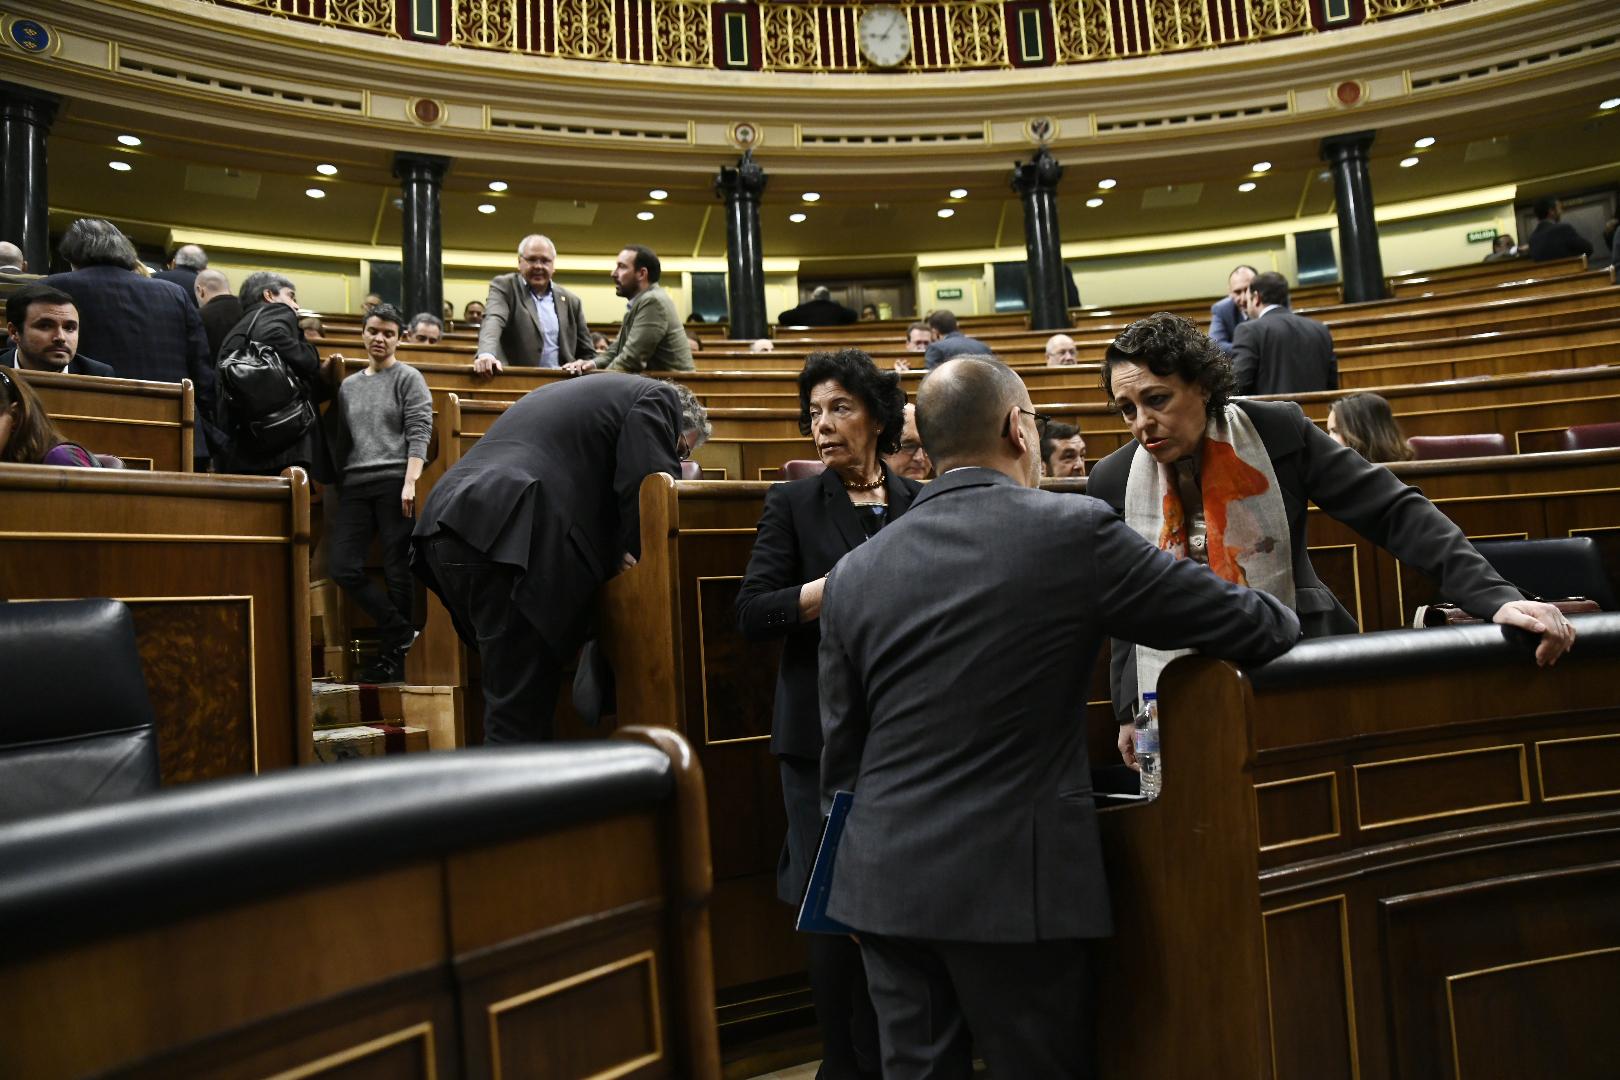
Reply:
x=885, y=36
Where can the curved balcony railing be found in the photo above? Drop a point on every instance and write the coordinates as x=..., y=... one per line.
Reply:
x=825, y=36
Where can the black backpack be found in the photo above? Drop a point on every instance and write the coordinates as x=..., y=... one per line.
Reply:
x=267, y=400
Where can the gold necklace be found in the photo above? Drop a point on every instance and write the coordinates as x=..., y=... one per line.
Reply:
x=863, y=487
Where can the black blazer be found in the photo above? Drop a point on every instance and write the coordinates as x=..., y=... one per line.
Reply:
x=554, y=489
x=146, y=329
x=276, y=325
x=818, y=313
x=807, y=526
x=219, y=316
x=79, y=365
x=1312, y=468
x=1283, y=353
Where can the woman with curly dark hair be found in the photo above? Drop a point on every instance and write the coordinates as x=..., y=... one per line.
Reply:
x=855, y=413
x=1227, y=483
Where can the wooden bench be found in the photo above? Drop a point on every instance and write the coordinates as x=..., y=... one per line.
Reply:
x=538, y=912
x=1452, y=278
x=1393, y=855
x=149, y=425
x=215, y=570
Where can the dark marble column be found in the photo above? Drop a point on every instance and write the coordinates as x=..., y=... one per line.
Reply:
x=421, y=244
x=742, y=187
x=1036, y=182
x=1361, y=267
x=26, y=116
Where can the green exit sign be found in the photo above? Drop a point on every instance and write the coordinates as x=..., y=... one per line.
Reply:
x=947, y=294
x=1477, y=235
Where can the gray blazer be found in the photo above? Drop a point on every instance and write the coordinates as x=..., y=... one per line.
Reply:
x=511, y=333
x=1283, y=353
x=956, y=649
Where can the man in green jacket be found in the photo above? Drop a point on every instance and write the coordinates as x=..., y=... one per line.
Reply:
x=651, y=337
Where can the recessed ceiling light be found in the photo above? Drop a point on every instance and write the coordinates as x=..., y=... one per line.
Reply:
x=315, y=193
x=131, y=140
x=1107, y=185
x=1611, y=103
x=326, y=170
x=1094, y=202
x=945, y=211
x=1262, y=166
x=958, y=192
x=796, y=218
x=1407, y=163
x=486, y=208
x=811, y=196
x=497, y=185
x=1425, y=142
x=119, y=166
x=644, y=215
x=657, y=193
x=1247, y=185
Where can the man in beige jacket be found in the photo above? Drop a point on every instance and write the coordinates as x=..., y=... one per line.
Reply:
x=529, y=320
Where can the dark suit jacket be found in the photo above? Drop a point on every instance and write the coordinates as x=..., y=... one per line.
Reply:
x=276, y=325
x=1283, y=353
x=79, y=365
x=219, y=315
x=956, y=648
x=145, y=329
x=953, y=345
x=512, y=334
x=818, y=313
x=182, y=276
x=1312, y=468
x=807, y=526
x=1557, y=240
x=1224, y=318
x=554, y=489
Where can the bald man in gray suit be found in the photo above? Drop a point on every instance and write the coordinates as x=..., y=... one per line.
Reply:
x=970, y=863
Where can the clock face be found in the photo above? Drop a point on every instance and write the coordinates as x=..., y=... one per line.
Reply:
x=885, y=36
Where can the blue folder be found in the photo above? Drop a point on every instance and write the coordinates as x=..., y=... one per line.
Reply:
x=813, y=918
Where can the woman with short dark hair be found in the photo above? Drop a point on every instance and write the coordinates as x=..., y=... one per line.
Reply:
x=1366, y=424
x=386, y=418
x=855, y=413
x=1227, y=483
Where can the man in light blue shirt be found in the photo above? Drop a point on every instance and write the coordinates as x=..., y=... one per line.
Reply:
x=530, y=320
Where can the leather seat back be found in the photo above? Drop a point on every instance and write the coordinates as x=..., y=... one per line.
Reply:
x=76, y=727
x=1554, y=569
x=1430, y=447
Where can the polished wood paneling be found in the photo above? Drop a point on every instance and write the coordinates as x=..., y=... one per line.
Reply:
x=220, y=567
x=1308, y=991
x=580, y=948
x=1562, y=1034
x=151, y=425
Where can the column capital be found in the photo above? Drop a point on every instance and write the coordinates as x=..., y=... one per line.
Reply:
x=745, y=180
x=1355, y=144
x=413, y=166
x=26, y=103
x=1040, y=173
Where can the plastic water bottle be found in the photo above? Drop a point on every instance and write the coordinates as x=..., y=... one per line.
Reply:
x=1147, y=746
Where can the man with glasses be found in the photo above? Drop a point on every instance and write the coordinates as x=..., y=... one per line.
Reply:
x=519, y=534
x=528, y=320
x=957, y=646
x=911, y=461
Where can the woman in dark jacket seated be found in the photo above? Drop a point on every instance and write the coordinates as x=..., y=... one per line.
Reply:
x=270, y=317
x=1228, y=482
x=855, y=413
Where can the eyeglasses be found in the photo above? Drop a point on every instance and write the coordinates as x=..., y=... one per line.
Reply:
x=682, y=450
x=910, y=449
x=1041, y=420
